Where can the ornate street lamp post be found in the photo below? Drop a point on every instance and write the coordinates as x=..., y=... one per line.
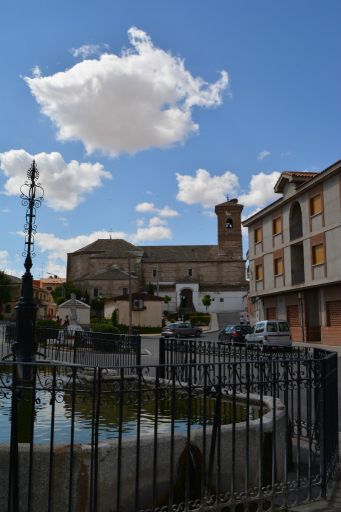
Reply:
x=24, y=348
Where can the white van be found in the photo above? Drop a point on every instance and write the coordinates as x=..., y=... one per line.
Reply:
x=271, y=333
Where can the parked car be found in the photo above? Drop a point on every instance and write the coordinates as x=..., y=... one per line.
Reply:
x=181, y=330
x=274, y=333
x=234, y=333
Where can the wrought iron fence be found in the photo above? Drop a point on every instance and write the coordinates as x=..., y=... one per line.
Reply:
x=80, y=347
x=304, y=379
x=251, y=433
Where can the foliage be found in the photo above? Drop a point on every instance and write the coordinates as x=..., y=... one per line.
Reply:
x=199, y=318
x=114, y=317
x=105, y=327
x=97, y=304
x=172, y=317
x=151, y=289
x=63, y=293
x=167, y=300
x=5, y=290
x=146, y=329
x=47, y=323
x=206, y=301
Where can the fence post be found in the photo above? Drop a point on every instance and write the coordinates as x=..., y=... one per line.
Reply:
x=138, y=350
x=162, y=357
x=322, y=429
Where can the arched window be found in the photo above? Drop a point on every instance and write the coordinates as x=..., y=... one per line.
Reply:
x=295, y=221
x=229, y=223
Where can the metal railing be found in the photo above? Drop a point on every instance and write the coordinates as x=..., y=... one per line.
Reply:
x=80, y=347
x=254, y=431
x=304, y=379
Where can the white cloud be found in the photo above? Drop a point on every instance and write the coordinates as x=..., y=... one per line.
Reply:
x=36, y=72
x=166, y=211
x=206, y=189
x=87, y=49
x=261, y=190
x=4, y=262
x=4, y=210
x=145, y=207
x=3, y=258
x=56, y=248
x=65, y=184
x=152, y=233
x=126, y=103
x=156, y=221
x=140, y=222
x=263, y=154
x=59, y=247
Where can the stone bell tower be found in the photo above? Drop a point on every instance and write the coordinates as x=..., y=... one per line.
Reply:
x=230, y=229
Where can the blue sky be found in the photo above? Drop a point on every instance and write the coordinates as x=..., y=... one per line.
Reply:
x=144, y=114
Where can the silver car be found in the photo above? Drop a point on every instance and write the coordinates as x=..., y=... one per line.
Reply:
x=181, y=330
x=275, y=333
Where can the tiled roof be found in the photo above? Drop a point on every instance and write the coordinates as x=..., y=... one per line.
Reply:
x=109, y=247
x=174, y=253
x=301, y=174
x=112, y=274
x=117, y=248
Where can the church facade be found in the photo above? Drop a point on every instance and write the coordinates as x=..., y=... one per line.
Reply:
x=110, y=267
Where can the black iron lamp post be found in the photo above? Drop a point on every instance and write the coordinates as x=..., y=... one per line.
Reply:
x=24, y=348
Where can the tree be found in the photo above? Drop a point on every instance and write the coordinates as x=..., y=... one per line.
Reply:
x=167, y=300
x=63, y=293
x=207, y=301
x=5, y=290
x=151, y=289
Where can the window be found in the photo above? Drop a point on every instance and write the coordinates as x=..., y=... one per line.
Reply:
x=315, y=205
x=318, y=254
x=272, y=327
x=277, y=226
x=221, y=299
x=283, y=327
x=125, y=291
x=259, y=272
x=96, y=292
x=7, y=308
x=229, y=224
x=190, y=272
x=278, y=266
x=154, y=272
x=258, y=235
x=259, y=327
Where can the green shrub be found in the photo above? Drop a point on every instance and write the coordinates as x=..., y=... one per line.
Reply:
x=105, y=327
x=47, y=323
x=199, y=318
x=140, y=329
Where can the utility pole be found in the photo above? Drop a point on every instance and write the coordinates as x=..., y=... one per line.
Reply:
x=157, y=281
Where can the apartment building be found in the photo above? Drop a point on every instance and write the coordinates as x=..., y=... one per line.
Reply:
x=295, y=255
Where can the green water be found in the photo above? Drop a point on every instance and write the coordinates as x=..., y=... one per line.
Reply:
x=121, y=407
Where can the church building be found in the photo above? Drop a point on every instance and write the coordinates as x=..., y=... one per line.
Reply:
x=110, y=267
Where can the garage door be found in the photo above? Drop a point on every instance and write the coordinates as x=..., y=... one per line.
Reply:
x=293, y=316
x=334, y=313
